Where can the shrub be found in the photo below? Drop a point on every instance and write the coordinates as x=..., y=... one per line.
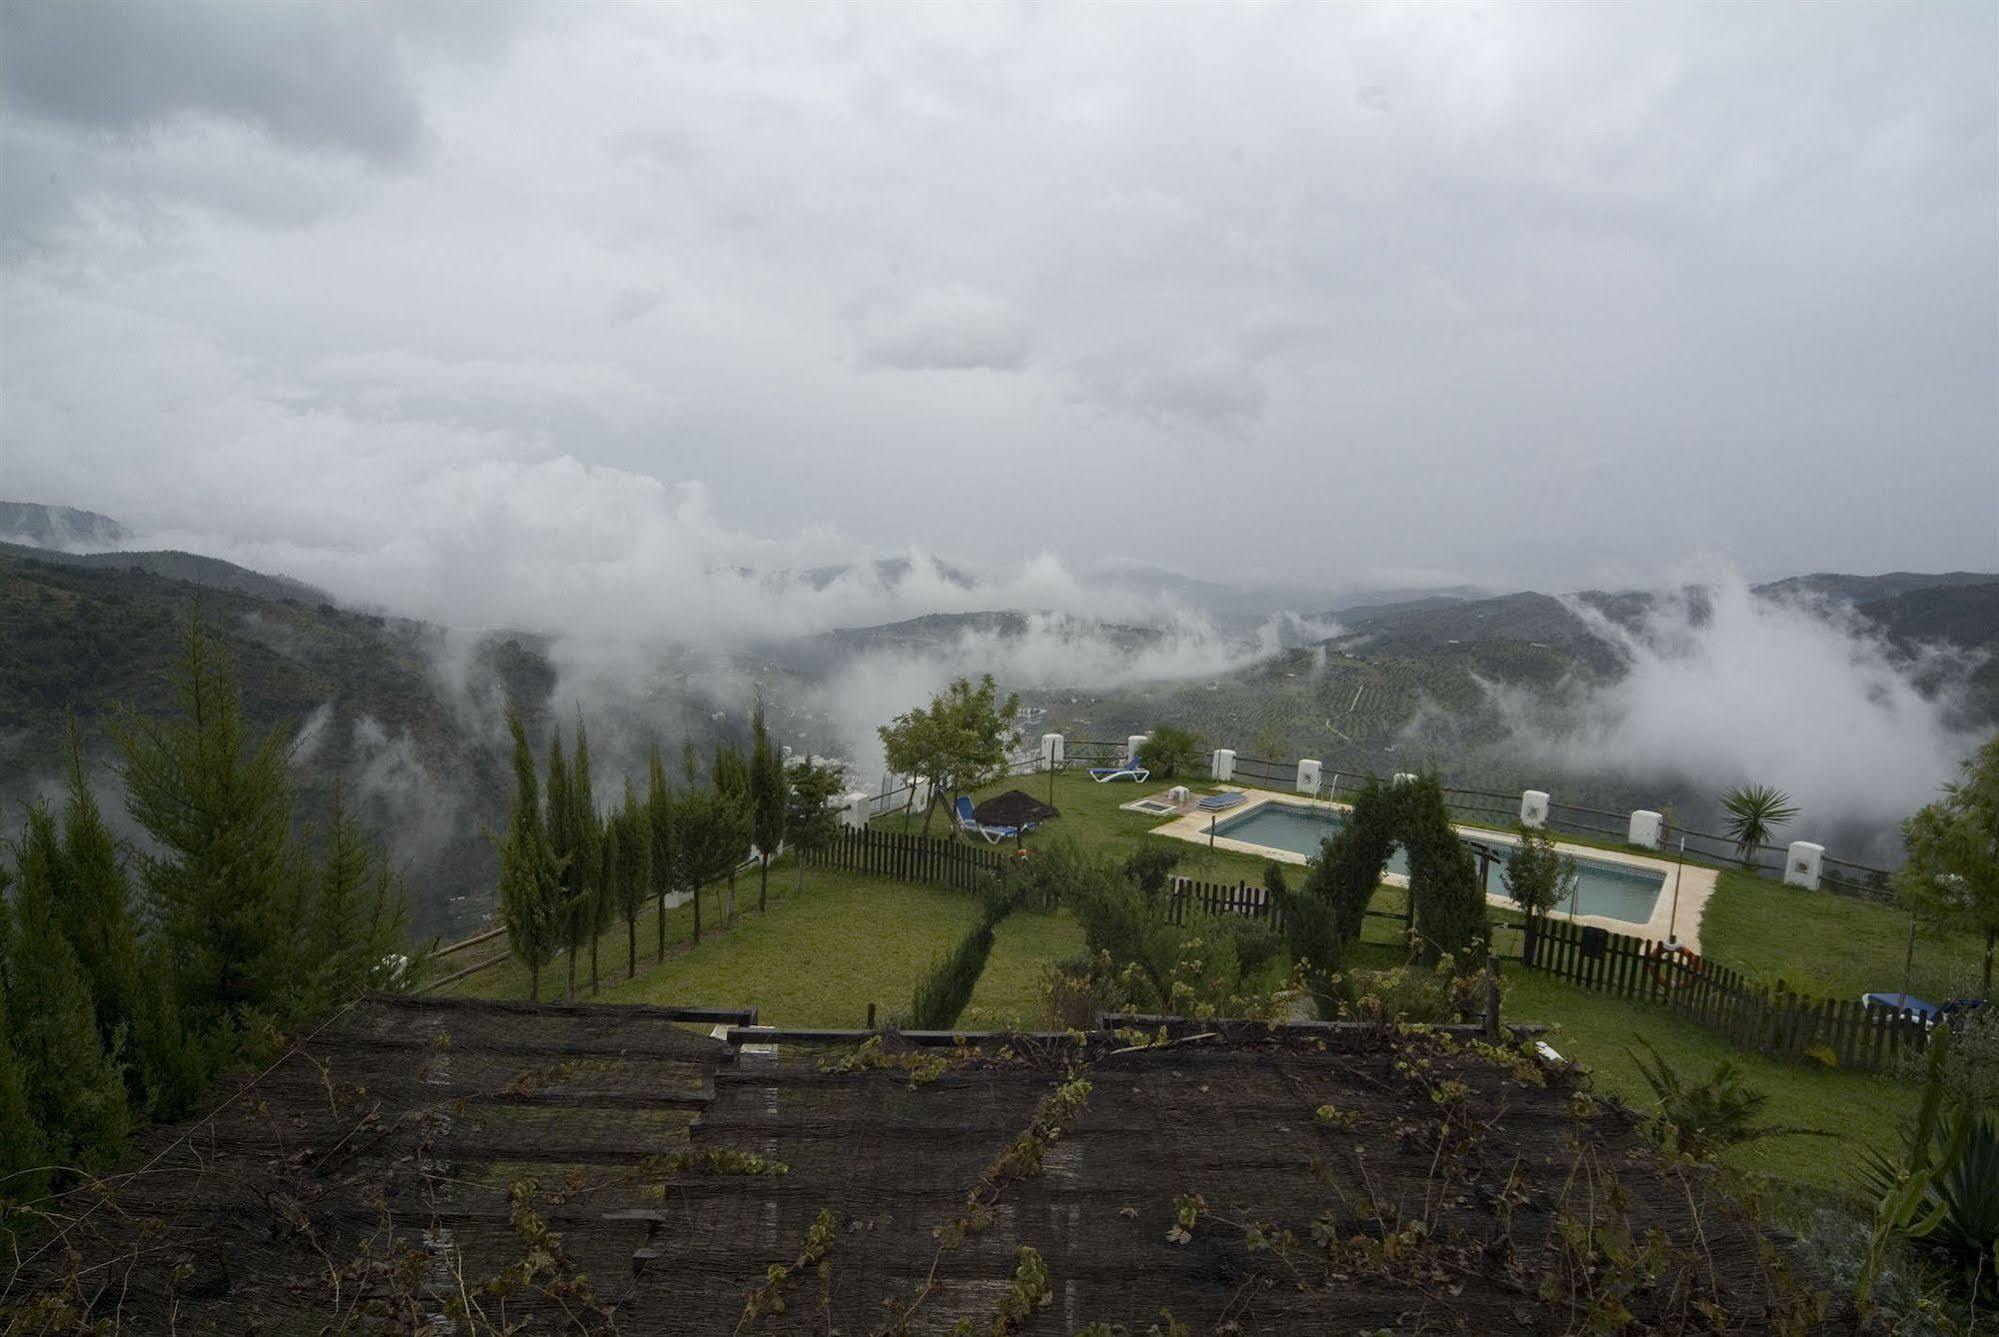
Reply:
x=1150, y=865
x=1170, y=751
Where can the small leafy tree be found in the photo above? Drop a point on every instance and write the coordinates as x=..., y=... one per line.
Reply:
x=1754, y=813
x=1538, y=875
x=956, y=743
x=768, y=795
x=810, y=817
x=530, y=875
x=1952, y=873
x=1170, y=751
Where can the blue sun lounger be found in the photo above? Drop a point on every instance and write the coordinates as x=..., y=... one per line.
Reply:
x=1218, y=802
x=1126, y=769
x=972, y=826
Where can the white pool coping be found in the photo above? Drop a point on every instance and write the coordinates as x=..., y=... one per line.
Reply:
x=1696, y=883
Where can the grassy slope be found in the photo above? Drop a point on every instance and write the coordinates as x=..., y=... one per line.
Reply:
x=1011, y=991
x=820, y=961
x=1831, y=945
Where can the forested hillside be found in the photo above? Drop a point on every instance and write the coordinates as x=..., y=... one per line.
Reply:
x=363, y=695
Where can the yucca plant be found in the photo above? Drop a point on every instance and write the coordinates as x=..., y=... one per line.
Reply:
x=1702, y=1119
x=1944, y=1190
x=1754, y=812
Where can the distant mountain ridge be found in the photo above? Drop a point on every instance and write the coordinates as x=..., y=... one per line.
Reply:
x=35, y=525
x=208, y=572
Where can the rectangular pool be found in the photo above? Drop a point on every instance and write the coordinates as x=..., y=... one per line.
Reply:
x=1606, y=890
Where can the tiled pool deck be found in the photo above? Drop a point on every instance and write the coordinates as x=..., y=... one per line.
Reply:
x=1696, y=882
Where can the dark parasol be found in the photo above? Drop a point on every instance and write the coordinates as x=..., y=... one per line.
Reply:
x=1013, y=808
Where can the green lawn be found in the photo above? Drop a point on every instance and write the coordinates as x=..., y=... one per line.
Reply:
x=1862, y=1108
x=1831, y=945
x=1091, y=817
x=1011, y=991
x=818, y=960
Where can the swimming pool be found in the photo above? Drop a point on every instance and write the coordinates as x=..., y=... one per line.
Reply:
x=1605, y=890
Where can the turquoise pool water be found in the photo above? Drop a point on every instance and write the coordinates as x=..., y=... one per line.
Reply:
x=1611, y=891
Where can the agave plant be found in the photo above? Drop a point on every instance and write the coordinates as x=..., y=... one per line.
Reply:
x=1754, y=811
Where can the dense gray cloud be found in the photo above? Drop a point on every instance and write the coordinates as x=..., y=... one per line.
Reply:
x=403, y=298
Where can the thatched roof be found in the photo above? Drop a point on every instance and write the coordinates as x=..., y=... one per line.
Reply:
x=1419, y=1184
x=1014, y=808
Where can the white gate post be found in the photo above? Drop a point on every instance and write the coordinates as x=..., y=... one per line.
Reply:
x=1534, y=808
x=1224, y=766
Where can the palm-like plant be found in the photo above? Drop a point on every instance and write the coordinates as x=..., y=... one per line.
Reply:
x=1753, y=812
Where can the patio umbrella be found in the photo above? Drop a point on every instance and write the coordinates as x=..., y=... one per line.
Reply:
x=1014, y=808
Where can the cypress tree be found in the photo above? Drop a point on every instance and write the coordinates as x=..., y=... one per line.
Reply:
x=73, y=1090
x=529, y=886
x=1352, y=859
x=664, y=848
x=768, y=794
x=593, y=895
x=1444, y=888
x=560, y=824
x=634, y=880
x=734, y=816
x=218, y=805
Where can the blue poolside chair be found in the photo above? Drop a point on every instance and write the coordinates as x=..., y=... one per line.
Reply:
x=1128, y=769
x=1902, y=1002
x=970, y=825
x=1217, y=802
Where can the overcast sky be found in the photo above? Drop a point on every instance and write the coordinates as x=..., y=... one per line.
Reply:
x=1515, y=295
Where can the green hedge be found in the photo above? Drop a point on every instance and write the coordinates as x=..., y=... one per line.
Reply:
x=948, y=987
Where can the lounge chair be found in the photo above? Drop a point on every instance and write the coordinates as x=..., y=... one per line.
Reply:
x=1902, y=1002
x=972, y=826
x=1218, y=802
x=1128, y=769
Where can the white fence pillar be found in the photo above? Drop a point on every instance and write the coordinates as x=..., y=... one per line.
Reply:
x=919, y=798
x=1133, y=744
x=1802, y=865
x=1224, y=768
x=1402, y=778
x=1308, y=776
x=1645, y=828
x=1533, y=808
x=855, y=813
x=1051, y=751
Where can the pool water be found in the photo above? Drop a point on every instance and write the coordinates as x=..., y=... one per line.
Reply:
x=1606, y=890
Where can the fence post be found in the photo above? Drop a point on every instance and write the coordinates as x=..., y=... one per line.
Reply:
x=1491, y=997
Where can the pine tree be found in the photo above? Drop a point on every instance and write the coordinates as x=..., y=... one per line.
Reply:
x=135, y=1013
x=22, y=1153
x=664, y=852
x=530, y=888
x=218, y=806
x=354, y=915
x=563, y=839
x=73, y=1089
x=768, y=794
x=632, y=859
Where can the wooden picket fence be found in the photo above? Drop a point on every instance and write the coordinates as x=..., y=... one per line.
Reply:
x=1769, y=1019
x=1185, y=896
x=934, y=860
